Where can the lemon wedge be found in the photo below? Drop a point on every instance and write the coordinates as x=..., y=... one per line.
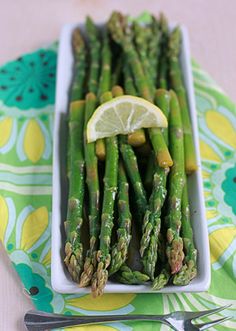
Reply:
x=124, y=115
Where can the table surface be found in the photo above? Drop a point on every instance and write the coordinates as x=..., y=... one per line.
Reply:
x=26, y=25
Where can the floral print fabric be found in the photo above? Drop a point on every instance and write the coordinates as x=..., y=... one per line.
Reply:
x=27, y=92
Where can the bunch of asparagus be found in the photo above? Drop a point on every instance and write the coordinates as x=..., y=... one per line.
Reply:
x=129, y=191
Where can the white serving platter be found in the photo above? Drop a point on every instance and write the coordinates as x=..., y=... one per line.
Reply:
x=61, y=280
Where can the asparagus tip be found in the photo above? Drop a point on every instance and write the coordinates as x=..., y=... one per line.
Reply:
x=73, y=260
x=99, y=280
x=160, y=281
x=87, y=273
x=186, y=274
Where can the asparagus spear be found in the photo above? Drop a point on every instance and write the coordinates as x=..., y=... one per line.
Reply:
x=73, y=223
x=110, y=188
x=174, y=248
x=93, y=190
x=104, y=86
x=118, y=28
x=152, y=221
x=131, y=166
x=90, y=157
x=189, y=269
x=77, y=88
x=94, y=47
x=120, y=249
x=178, y=86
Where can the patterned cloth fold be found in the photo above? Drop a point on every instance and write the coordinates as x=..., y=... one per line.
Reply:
x=27, y=95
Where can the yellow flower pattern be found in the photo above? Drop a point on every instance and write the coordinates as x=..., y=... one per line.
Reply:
x=6, y=125
x=34, y=142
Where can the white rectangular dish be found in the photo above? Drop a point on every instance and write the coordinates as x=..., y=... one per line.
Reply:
x=61, y=280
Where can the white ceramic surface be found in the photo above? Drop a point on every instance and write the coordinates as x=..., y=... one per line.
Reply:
x=61, y=281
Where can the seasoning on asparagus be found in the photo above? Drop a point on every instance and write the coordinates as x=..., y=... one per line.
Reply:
x=73, y=247
x=177, y=85
x=189, y=269
x=110, y=188
x=174, y=248
x=93, y=192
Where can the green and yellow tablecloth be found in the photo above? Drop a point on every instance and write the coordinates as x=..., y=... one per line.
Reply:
x=27, y=95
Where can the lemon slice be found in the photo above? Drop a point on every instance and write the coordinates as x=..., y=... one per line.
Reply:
x=124, y=115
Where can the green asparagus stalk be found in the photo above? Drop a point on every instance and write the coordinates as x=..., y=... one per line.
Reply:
x=154, y=49
x=178, y=86
x=93, y=190
x=120, y=249
x=105, y=78
x=110, y=188
x=73, y=247
x=162, y=100
x=152, y=218
x=189, y=269
x=78, y=45
x=94, y=51
x=163, y=65
x=141, y=36
x=118, y=28
x=104, y=86
x=152, y=222
x=128, y=80
x=131, y=166
x=174, y=248
x=164, y=275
